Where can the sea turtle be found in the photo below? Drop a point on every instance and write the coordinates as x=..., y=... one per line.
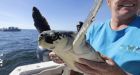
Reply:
x=68, y=45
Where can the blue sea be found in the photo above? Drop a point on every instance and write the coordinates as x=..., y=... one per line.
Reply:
x=17, y=48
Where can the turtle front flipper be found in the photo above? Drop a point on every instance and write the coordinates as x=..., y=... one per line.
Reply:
x=39, y=21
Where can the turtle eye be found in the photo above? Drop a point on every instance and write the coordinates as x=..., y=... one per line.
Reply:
x=41, y=35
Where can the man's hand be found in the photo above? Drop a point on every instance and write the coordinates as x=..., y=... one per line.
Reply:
x=55, y=58
x=109, y=67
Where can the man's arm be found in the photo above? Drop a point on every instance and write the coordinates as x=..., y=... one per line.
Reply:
x=109, y=67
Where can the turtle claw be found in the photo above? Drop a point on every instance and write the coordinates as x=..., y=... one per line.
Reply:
x=39, y=21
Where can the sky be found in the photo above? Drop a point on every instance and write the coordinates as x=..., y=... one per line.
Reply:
x=60, y=14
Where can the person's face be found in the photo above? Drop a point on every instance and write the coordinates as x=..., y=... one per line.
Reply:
x=123, y=8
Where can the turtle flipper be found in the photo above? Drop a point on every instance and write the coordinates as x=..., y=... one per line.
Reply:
x=39, y=21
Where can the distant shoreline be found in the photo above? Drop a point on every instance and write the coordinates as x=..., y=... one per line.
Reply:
x=10, y=29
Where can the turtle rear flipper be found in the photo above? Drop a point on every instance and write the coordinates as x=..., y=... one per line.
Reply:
x=39, y=21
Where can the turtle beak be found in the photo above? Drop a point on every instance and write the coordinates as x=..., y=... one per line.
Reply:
x=39, y=21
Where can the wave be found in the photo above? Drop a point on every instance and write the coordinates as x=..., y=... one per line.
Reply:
x=17, y=58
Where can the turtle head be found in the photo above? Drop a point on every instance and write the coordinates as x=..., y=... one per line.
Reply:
x=55, y=40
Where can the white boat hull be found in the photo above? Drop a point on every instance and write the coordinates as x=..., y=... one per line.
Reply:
x=43, y=68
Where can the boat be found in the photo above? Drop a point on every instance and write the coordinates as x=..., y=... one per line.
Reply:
x=10, y=29
x=42, y=68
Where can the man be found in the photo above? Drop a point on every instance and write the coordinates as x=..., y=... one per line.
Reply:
x=117, y=40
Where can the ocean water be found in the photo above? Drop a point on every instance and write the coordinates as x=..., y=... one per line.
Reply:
x=17, y=48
